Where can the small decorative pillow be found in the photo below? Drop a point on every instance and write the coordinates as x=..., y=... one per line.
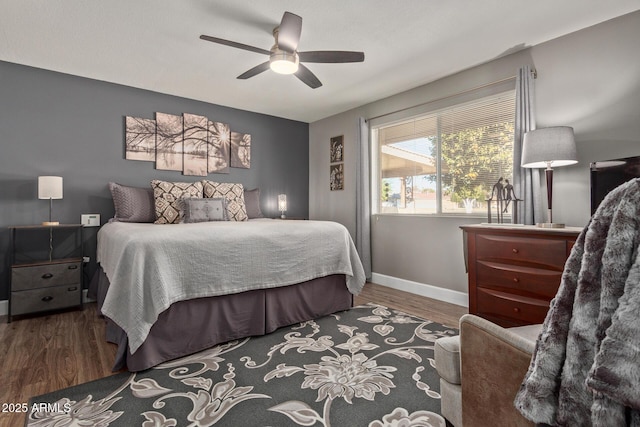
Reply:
x=167, y=197
x=234, y=193
x=132, y=204
x=203, y=210
x=252, y=203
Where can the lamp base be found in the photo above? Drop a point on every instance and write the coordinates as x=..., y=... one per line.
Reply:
x=550, y=225
x=283, y=216
x=50, y=223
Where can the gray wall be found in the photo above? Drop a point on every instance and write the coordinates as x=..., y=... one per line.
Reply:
x=58, y=124
x=589, y=80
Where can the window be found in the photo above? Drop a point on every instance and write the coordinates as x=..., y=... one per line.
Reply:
x=445, y=162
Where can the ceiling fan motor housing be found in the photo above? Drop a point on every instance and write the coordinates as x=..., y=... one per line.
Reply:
x=282, y=61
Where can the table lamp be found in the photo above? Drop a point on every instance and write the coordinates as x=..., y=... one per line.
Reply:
x=50, y=187
x=547, y=148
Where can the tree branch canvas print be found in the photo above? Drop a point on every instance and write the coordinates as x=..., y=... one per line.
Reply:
x=218, y=147
x=240, y=150
x=140, y=141
x=191, y=143
x=195, y=137
x=169, y=144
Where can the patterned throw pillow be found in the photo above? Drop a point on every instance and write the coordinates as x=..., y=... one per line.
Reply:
x=167, y=197
x=234, y=193
x=132, y=204
x=203, y=210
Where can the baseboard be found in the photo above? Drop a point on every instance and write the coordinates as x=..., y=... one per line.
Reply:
x=430, y=291
x=4, y=304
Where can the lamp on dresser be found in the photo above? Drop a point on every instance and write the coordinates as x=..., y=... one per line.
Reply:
x=50, y=188
x=545, y=148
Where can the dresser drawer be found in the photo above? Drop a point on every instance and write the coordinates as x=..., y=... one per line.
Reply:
x=50, y=298
x=522, y=249
x=510, y=310
x=529, y=280
x=45, y=275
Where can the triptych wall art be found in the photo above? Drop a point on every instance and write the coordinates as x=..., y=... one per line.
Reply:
x=336, y=155
x=189, y=143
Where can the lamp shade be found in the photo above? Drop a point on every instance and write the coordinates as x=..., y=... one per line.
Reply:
x=282, y=202
x=548, y=147
x=49, y=187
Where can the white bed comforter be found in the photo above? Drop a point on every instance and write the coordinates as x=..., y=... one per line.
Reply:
x=151, y=266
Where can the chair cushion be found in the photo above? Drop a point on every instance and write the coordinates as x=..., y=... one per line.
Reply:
x=447, y=358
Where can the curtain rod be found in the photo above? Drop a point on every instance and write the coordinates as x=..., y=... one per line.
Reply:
x=533, y=72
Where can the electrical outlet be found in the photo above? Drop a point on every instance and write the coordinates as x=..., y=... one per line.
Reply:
x=90, y=220
x=86, y=259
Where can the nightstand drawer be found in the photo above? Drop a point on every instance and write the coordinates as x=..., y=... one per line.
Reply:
x=44, y=299
x=45, y=275
x=522, y=279
x=527, y=250
x=511, y=310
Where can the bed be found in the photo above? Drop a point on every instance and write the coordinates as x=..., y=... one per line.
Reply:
x=167, y=291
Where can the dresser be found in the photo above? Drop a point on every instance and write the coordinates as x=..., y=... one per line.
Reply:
x=46, y=268
x=515, y=271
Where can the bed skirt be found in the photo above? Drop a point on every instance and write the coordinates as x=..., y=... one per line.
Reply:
x=194, y=325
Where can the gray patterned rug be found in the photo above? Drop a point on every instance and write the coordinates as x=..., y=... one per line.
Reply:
x=368, y=366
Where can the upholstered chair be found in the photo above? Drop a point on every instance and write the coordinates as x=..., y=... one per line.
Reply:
x=481, y=370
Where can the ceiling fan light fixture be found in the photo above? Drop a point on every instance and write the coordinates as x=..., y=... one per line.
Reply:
x=284, y=62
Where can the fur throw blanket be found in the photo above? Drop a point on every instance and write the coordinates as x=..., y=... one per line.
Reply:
x=585, y=370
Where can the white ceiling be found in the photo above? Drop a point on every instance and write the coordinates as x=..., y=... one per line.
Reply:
x=154, y=44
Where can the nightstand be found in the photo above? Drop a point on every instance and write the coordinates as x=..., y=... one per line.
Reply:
x=46, y=268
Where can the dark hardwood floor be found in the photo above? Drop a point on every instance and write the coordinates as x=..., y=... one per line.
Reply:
x=46, y=353
x=427, y=308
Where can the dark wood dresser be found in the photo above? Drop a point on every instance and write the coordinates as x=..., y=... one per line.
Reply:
x=515, y=271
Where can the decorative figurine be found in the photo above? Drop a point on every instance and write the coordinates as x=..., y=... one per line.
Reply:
x=509, y=194
x=503, y=194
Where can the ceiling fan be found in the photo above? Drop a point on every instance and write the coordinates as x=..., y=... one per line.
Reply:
x=284, y=57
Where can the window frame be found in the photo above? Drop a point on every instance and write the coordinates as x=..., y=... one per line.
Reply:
x=376, y=169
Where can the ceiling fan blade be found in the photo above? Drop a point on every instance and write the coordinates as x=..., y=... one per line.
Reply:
x=254, y=71
x=307, y=77
x=289, y=32
x=235, y=44
x=331, y=56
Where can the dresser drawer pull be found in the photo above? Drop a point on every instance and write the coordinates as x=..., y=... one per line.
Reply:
x=515, y=251
x=73, y=288
x=516, y=310
x=72, y=267
x=47, y=299
x=516, y=280
x=47, y=276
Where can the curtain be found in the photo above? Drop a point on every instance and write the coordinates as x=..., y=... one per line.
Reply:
x=526, y=182
x=363, y=198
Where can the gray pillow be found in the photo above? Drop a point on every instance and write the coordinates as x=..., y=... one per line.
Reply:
x=203, y=210
x=252, y=203
x=132, y=204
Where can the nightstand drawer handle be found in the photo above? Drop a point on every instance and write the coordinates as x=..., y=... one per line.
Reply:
x=73, y=288
x=47, y=299
x=72, y=267
x=47, y=276
x=516, y=310
x=516, y=280
x=515, y=251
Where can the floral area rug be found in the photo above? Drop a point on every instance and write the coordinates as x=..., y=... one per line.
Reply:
x=368, y=366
